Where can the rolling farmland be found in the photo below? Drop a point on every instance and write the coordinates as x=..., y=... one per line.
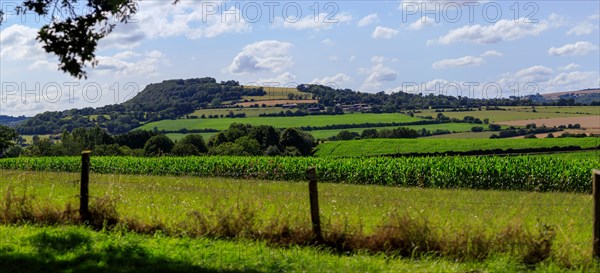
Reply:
x=373, y=147
x=278, y=122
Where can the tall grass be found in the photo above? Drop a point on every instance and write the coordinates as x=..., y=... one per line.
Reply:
x=398, y=235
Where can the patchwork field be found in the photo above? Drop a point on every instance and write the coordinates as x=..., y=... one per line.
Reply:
x=587, y=122
x=372, y=147
x=520, y=113
x=278, y=122
x=274, y=102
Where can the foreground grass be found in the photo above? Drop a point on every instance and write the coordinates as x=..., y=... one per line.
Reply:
x=78, y=249
x=371, y=147
x=204, y=206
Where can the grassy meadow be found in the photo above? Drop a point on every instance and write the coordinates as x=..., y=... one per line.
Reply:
x=170, y=201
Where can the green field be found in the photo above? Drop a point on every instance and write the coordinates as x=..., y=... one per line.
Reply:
x=517, y=113
x=277, y=122
x=371, y=147
x=323, y=134
x=250, y=112
x=169, y=200
x=452, y=127
x=465, y=135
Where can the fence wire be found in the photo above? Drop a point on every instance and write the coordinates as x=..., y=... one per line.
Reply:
x=343, y=209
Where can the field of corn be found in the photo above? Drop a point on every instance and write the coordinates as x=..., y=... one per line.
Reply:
x=527, y=173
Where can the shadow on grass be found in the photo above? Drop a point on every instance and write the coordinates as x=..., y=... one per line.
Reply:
x=73, y=252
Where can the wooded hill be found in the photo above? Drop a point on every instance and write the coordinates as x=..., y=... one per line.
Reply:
x=172, y=99
x=166, y=100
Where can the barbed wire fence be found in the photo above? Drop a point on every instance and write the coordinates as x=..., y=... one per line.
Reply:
x=162, y=201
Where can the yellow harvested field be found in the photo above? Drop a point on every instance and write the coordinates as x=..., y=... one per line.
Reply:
x=587, y=122
x=274, y=102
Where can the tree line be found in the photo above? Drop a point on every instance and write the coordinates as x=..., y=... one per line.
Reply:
x=238, y=139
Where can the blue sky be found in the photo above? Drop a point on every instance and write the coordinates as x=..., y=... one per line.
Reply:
x=468, y=48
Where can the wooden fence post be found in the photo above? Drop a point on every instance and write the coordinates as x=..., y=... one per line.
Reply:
x=314, y=202
x=84, y=197
x=596, y=193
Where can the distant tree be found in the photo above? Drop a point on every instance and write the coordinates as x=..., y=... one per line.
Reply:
x=8, y=137
x=494, y=127
x=265, y=135
x=158, y=145
x=195, y=140
x=228, y=148
x=40, y=146
x=272, y=151
x=216, y=103
x=346, y=135
x=477, y=129
x=217, y=139
x=13, y=151
x=250, y=145
x=184, y=149
x=369, y=133
x=291, y=151
x=135, y=139
x=292, y=137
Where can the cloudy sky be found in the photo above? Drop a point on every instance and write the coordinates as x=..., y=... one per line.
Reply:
x=475, y=49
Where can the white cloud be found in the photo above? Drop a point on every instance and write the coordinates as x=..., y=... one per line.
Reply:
x=320, y=22
x=583, y=28
x=384, y=33
x=422, y=22
x=18, y=43
x=492, y=53
x=338, y=80
x=333, y=58
x=283, y=79
x=377, y=75
x=574, y=80
x=328, y=42
x=577, y=49
x=465, y=61
x=367, y=20
x=352, y=58
x=541, y=79
x=525, y=81
x=570, y=66
x=162, y=19
x=124, y=36
x=128, y=63
x=267, y=55
x=534, y=74
x=503, y=30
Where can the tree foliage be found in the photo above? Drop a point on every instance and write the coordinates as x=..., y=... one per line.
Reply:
x=72, y=35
